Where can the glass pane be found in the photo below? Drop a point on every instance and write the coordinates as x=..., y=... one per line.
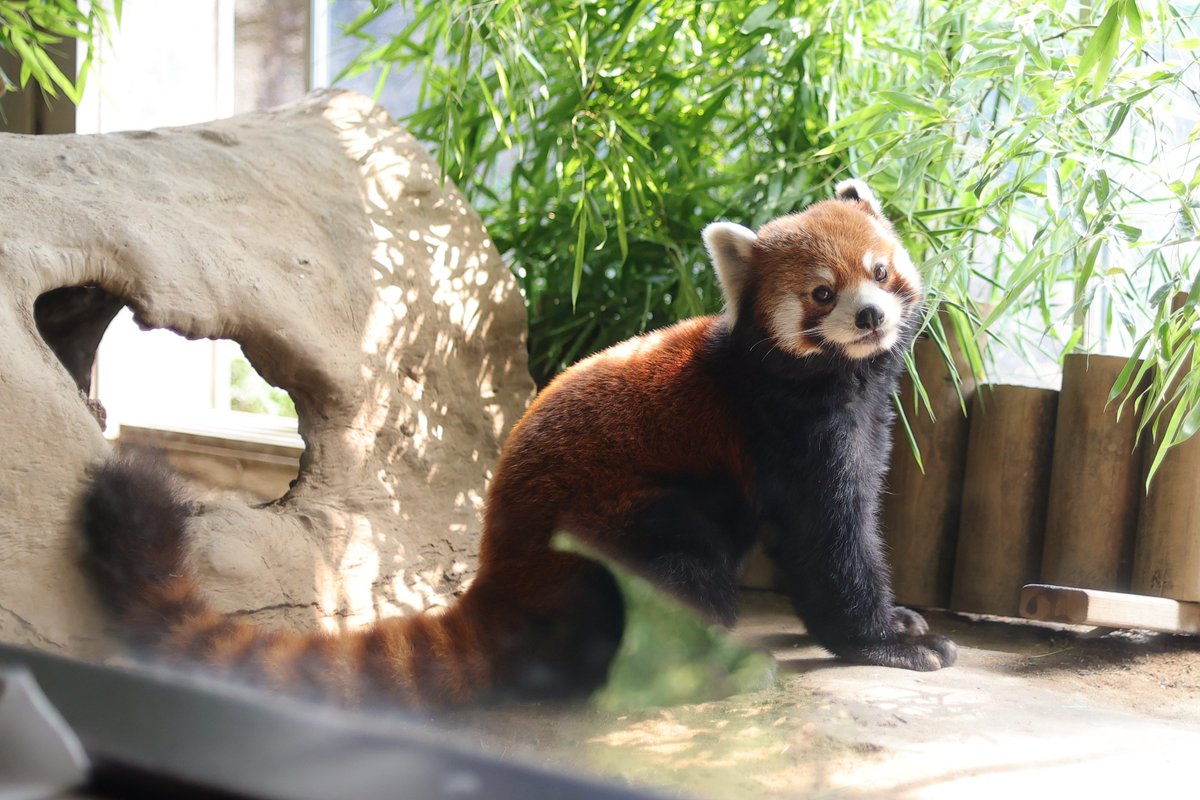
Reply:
x=270, y=53
x=249, y=392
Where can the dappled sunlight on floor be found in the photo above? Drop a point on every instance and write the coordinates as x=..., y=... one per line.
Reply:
x=987, y=727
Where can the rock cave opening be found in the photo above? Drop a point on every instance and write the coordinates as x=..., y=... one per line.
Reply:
x=198, y=401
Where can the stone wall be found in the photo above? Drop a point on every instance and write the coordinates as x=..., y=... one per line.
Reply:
x=321, y=238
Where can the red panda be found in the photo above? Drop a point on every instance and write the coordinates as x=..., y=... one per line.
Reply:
x=675, y=452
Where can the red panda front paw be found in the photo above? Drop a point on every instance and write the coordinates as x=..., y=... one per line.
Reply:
x=907, y=621
x=923, y=653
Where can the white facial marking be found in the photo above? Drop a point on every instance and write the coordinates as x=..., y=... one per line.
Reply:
x=906, y=269
x=901, y=263
x=869, y=261
x=840, y=325
x=787, y=326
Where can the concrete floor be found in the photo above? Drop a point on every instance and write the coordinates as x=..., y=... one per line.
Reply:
x=1027, y=711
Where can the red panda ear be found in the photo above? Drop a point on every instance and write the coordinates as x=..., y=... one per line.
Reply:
x=729, y=246
x=857, y=191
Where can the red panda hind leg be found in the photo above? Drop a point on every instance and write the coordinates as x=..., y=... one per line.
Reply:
x=690, y=542
x=555, y=630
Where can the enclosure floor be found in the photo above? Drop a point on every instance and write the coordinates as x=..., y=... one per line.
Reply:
x=1028, y=710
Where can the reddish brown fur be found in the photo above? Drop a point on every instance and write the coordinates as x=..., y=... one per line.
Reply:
x=582, y=453
x=581, y=459
x=832, y=238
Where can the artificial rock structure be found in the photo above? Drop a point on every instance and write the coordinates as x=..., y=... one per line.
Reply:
x=321, y=238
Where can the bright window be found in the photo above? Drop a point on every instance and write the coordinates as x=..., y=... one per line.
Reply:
x=237, y=56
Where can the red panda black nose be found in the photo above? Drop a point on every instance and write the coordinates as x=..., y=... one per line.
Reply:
x=869, y=318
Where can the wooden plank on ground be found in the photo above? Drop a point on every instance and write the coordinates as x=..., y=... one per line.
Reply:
x=1108, y=609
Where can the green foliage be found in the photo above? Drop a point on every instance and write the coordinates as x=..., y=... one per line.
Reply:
x=32, y=30
x=250, y=393
x=668, y=655
x=1039, y=158
x=628, y=127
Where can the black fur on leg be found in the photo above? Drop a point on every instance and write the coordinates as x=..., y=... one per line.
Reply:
x=924, y=653
x=819, y=434
x=689, y=542
x=134, y=522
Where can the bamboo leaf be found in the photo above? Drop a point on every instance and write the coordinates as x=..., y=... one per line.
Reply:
x=861, y=115
x=628, y=129
x=630, y=17
x=577, y=275
x=757, y=18
x=1122, y=382
x=1133, y=17
x=1102, y=47
x=1166, y=442
x=380, y=81
x=906, y=102
x=908, y=433
x=1191, y=423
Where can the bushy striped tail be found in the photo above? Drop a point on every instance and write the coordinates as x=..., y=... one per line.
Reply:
x=134, y=518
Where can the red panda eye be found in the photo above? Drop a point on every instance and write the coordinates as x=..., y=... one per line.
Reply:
x=881, y=273
x=823, y=295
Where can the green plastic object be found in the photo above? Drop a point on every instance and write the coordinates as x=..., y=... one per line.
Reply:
x=669, y=655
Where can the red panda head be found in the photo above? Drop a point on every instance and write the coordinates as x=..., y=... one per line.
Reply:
x=831, y=278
